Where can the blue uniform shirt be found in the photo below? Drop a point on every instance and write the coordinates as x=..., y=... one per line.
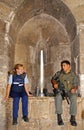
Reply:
x=17, y=88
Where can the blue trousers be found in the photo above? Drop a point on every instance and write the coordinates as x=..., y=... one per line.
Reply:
x=24, y=105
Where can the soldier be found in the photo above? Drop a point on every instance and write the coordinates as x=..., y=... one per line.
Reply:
x=70, y=82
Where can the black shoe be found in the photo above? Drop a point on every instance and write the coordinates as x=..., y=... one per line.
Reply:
x=60, y=121
x=15, y=121
x=25, y=118
x=73, y=121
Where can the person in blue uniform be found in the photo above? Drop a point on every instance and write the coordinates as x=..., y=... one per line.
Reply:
x=17, y=88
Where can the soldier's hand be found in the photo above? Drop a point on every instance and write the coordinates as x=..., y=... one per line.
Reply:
x=55, y=86
x=73, y=91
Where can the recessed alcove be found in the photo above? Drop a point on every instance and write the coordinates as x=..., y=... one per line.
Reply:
x=52, y=28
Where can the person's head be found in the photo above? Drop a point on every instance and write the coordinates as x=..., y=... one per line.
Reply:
x=19, y=68
x=66, y=66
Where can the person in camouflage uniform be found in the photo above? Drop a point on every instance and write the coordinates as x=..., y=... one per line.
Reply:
x=70, y=82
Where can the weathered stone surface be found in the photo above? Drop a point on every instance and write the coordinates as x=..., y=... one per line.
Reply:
x=41, y=115
x=4, y=10
x=12, y=3
x=81, y=34
x=23, y=25
x=78, y=15
x=73, y=4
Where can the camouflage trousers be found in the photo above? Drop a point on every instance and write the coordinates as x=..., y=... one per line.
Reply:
x=73, y=103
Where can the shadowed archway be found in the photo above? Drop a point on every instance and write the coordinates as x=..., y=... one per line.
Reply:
x=49, y=24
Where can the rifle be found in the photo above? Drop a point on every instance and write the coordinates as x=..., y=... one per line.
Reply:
x=60, y=89
x=64, y=95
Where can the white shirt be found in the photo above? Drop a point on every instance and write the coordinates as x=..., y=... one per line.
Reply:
x=10, y=80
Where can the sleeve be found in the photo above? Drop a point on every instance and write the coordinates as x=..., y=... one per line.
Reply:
x=26, y=80
x=10, y=79
x=56, y=76
x=76, y=81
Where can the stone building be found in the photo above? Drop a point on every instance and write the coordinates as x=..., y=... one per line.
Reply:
x=26, y=28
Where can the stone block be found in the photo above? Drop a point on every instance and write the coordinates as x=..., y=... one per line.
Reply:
x=41, y=115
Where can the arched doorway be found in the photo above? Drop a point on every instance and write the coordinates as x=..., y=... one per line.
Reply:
x=49, y=25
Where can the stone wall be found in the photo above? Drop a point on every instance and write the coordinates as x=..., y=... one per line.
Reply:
x=14, y=14
x=77, y=8
x=17, y=16
x=42, y=115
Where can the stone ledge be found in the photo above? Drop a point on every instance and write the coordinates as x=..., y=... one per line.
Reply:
x=41, y=115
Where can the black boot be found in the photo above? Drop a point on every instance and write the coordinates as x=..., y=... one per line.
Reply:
x=60, y=121
x=73, y=121
x=25, y=118
x=15, y=121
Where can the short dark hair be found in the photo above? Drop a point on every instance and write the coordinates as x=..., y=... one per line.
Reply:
x=66, y=61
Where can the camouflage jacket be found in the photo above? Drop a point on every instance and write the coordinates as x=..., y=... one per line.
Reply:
x=69, y=80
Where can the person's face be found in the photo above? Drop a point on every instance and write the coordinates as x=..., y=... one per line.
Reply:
x=20, y=70
x=66, y=67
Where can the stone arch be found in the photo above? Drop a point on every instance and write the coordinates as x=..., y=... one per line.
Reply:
x=55, y=8
x=48, y=22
